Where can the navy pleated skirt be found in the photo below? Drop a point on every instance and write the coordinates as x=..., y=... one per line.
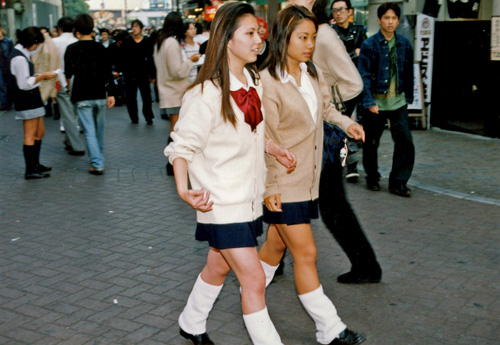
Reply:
x=293, y=213
x=235, y=235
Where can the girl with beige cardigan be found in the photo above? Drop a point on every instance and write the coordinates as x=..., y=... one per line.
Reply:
x=296, y=100
x=172, y=71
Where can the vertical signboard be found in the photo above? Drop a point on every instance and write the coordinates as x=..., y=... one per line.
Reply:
x=424, y=51
x=495, y=39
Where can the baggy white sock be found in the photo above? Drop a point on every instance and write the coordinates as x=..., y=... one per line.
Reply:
x=269, y=271
x=324, y=314
x=193, y=318
x=261, y=328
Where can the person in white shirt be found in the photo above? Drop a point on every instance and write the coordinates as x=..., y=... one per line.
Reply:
x=219, y=139
x=190, y=47
x=27, y=99
x=73, y=142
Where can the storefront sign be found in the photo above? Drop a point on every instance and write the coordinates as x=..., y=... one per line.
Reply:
x=424, y=51
x=495, y=39
x=210, y=12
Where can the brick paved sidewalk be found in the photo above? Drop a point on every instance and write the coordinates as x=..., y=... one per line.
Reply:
x=111, y=259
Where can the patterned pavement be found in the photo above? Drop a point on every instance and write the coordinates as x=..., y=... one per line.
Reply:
x=111, y=259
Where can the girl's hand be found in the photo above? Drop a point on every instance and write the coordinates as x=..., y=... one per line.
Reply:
x=287, y=159
x=273, y=203
x=195, y=57
x=198, y=199
x=356, y=131
x=49, y=75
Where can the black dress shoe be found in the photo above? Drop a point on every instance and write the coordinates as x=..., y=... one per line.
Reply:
x=400, y=190
x=360, y=277
x=348, y=337
x=197, y=339
x=42, y=168
x=76, y=153
x=373, y=186
x=149, y=121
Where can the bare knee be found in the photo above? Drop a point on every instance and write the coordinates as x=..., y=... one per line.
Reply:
x=253, y=282
x=306, y=255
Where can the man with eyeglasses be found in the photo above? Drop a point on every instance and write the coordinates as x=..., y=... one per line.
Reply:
x=386, y=67
x=352, y=35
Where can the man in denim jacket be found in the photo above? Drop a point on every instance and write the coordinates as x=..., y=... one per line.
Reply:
x=386, y=67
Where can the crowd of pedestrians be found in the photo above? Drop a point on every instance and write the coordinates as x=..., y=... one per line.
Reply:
x=247, y=109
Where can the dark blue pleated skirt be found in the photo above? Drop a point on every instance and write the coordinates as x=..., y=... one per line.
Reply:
x=235, y=235
x=293, y=213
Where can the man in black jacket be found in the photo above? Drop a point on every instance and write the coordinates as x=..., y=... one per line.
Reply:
x=353, y=36
x=138, y=69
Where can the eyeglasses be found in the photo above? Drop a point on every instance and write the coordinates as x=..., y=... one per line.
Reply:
x=341, y=10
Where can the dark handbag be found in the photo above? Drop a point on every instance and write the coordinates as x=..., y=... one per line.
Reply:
x=334, y=143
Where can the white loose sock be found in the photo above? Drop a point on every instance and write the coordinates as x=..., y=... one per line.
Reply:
x=269, y=271
x=261, y=328
x=324, y=314
x=193, y=318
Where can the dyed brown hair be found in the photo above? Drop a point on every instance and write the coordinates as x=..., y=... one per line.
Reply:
x=216, y=65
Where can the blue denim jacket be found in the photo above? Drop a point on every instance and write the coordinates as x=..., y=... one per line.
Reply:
x=373, y=66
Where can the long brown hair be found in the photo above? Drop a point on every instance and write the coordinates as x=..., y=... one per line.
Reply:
x=285, y=23
x=216, y=65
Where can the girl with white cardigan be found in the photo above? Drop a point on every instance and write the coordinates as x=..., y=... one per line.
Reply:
x=219, y=139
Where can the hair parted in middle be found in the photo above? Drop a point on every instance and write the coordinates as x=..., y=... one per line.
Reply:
x=284, y=25
x=216, y=66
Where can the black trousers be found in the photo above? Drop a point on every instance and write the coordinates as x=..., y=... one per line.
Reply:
x=131, y=86
x=341, y=221
x=404, y=150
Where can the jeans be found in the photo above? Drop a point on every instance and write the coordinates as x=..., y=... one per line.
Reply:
x=131, y=85
x=92, y=115
x=341, y=221
x=404, y=150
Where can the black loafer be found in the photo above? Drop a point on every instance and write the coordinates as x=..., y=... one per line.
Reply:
x=348, y=337
x=400, y=190
x=197, y=339
x=42, y=168
x=373, y=186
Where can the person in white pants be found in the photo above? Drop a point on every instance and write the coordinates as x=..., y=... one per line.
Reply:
x=219, y=139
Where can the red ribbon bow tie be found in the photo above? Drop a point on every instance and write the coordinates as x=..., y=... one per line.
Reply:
x=249, y=104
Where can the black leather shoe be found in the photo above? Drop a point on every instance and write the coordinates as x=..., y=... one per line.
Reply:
x=197, y=339
x=400, y=190
x=149, y=121
x=360, y=277
x=348, y=337
x=373, y=186
x=43, y=169
x=76, y=153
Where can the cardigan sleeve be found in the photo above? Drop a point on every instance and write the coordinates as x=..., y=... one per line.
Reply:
x=191, y=132
x=330, y=55
x=271, y=103
x=330, y=113
x=177, y=67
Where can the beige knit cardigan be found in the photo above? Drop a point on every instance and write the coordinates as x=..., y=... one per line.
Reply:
x=332, y=58
x=290, y=124
x=172, y=73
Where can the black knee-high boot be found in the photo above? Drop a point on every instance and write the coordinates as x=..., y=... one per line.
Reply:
x=32, y=172
x=41, y=168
